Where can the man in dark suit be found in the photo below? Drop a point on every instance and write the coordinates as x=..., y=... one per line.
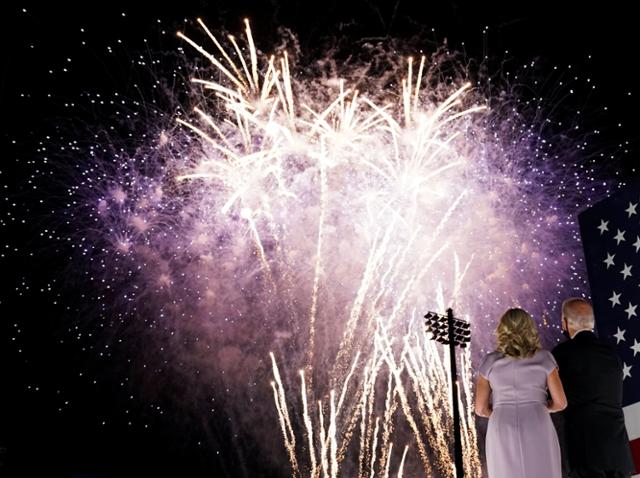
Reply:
x=595, y=438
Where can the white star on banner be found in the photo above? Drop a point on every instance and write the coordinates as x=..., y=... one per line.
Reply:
x=631, y=310
x=637, y=243
x=619, y=335
x=615, y=299
x=626, y=271
x=609, y=260
x=631, y=210
x=626, y=371
x=603, y=226
x=619, y=237
x=635, y=347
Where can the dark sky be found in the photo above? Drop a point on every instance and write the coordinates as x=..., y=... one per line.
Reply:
x=39, y=433
x=595, y=41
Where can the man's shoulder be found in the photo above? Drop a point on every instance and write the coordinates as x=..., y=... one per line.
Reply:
x=583, y=344
x=564, y=353
x=562, y=348
x=605, y=348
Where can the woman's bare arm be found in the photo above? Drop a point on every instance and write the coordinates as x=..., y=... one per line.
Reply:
x=558, y=400
x=483, y=396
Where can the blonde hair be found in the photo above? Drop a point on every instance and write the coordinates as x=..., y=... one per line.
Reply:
x=517, y=334
x=579, y=313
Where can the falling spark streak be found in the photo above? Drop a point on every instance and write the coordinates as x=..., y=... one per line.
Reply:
x=471, y=453
x=213, y=60
x=221, y=50
x=308, y=425
x=435, y=433
x=252, y=51
x=370, y=450
x=387, y=427
x=387, y=444
x=323, y=441
x=333, y=446
x=219, y=132
x=388, y=462
x=283, y=413
x=374, y=448
x=394, y=266
x=318, y=262
x=210, y=141
x=373, y=262
x=406, y=408
x=363, y=425
x=404, y=456
x=253, y=85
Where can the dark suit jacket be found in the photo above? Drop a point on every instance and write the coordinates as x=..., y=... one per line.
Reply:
x=591, y=374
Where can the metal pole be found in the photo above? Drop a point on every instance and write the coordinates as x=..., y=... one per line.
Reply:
x=457, y=440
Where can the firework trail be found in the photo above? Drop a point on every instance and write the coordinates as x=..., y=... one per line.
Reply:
x=293, y=227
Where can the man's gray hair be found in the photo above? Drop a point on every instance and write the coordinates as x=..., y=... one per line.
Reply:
x=579, y=313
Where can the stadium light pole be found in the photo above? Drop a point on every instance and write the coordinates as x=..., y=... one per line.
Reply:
x=448, y=330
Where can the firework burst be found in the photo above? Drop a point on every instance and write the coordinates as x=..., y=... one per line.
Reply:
x=281, y=241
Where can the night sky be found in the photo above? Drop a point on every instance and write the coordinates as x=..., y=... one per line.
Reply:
x=67, y=407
